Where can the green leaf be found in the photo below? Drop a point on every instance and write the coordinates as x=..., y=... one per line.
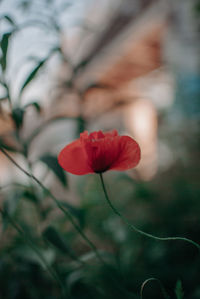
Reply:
x=81, y=124
x=4, y=49
x=30, y=254
x=73, y=278
x=96, y=85
x=52, y=162
x=197, y=8
x=10, y=206
x=55, y=238
x=5, y=221
x=34, y=72
x=9, y=19
x=36, y=105
x=18, y=116
x=76, y=212
x=80, y=66
x=45, y=212
x=32, y=75
x=179, y=290
x=28, y=194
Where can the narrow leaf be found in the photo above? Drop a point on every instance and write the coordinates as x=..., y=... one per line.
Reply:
x=5, y=221
x=32, y=75
x=18, y=116
x=80, y=66
x=10, y=206
x=96, y=85
x=179, y=290
x=81, y=124
x=52, y=162
x=36, y=105
x=41, y=257
x=9, y=19
x=34, y=72
x=79, y=213
x=4, y=49
x=30, y=195
x=53, y=236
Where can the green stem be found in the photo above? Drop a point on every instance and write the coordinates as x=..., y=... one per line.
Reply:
x=165, y=295
x=133, y=227
x=51, y=271
x=59, y=205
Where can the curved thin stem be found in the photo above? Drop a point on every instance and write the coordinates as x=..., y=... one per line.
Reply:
x=165, y=295
x=59, y=205
x=25, y=237
x=76, y=226
x=133, y=227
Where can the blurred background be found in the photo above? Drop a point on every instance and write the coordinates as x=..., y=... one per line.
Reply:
x=70, y=66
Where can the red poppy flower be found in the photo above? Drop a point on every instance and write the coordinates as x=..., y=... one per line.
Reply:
x=98, y=152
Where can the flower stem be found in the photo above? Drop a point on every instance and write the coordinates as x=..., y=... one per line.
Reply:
x=133, y=227
x=59, y=205
x=160, y=284
x=25, y=237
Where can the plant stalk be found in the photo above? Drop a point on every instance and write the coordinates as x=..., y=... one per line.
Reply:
x=59, y=205
x=133, y=227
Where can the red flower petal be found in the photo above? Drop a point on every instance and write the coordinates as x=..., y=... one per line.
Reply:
x=112, y=133
x=73, y=159
x=129, y=154
x=98, y=152
x=102, y=153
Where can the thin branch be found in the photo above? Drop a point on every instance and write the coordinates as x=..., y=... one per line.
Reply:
x=59, y=205
x=133, y=227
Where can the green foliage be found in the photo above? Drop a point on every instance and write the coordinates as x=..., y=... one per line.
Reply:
x=9, y=19
x=35, y=105
x=179, y=290
x=197, y=8
x=56, y=239
x=36, y=69
x=53, y=236
x=32, y=74
x=81, y=124
x=52, y=163
x=18, y=116
x=80, y=66
x=4, y=48
x=164, y=209
x=78, y=213
x=160, y=285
